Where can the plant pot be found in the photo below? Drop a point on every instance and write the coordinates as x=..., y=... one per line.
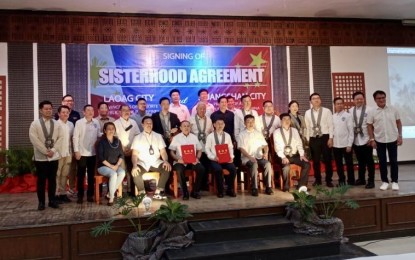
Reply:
x=332, y=227
x=136, y=245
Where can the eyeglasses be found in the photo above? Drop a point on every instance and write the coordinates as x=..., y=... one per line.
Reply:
x=67, y=100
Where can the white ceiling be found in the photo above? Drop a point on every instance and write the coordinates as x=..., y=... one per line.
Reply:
x=372, y=9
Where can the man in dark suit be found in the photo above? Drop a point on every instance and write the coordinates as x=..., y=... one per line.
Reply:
x=164, y=122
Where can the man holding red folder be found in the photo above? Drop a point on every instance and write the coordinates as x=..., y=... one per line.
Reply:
x=219, y=149
x=186, y=150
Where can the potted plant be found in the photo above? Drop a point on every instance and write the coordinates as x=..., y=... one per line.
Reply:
x=137, y=243
x=14, y=166
x=314, y=214
x=172, y=218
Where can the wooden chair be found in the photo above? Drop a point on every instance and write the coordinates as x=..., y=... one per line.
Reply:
x=294, y=174
x=174, y=185
x=100, y=179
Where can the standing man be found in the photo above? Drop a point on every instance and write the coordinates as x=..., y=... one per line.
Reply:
x=268, y=122
x=289, y=147
x=141, y=106
x=227, y=115
x=103, y=117
x=126, y=130
x=220, y=137
x=165, y=123
x=231, y=104
x=86, y=133
x=66, y=153
x=46, y=137
x=361, y=144
x=176, y=152
x=254, y=150
x=203, y=97
x=74, y=116
x=319, y=122
x=201, y=126
x=240, y=114
x=147, y=149
x=385, y=133
x=342, y=141
x=180, y=110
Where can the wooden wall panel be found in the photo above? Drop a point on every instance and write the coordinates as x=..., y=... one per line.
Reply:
x=398, y=213
x=57, y=27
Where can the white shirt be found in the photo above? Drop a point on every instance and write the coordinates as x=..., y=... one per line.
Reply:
x=142, y=143
x=67, y=133
x=343, y=134
x=239, y=120
x=37, y=138
x=326, y=123
x=103, y=121
x=181, y=111
x=260, y=124
x=126, y=137
x=181, y=139
x=195, y=130
x=252, y=142
x=209, y=109
x=85, y=135
x=358, y=139
x=211, y=143
x=384, y=123
x=296, y=143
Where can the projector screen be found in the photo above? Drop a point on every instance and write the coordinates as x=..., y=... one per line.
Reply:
x=401, y=66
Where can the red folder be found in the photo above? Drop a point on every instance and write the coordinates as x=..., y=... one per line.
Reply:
x=188, y=153
x=222, y=152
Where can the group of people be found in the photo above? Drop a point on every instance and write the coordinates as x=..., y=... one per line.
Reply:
x=205, y=141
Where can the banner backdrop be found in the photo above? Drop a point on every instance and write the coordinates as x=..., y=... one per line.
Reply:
x=123, y=73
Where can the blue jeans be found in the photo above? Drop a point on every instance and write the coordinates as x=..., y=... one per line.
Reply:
x=116, y=177
x=392, y=149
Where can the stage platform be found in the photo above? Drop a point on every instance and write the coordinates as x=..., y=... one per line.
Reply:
x=66, y=230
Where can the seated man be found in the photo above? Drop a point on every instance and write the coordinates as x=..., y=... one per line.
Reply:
x=254, y=150
x=289, y=147
x=213, y=140
x=181, y=163
x=147, y=148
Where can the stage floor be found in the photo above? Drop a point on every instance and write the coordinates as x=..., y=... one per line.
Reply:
x=20, y=210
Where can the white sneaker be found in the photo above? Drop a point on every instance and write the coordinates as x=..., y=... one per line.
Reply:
x=384, y=186
x=395, y=186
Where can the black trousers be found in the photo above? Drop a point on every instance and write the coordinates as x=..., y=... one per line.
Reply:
x=318, y=147
x=200, y=172
x=305, y=170
x=204, y=160
x=392, y=149
x=46, y=171
x=86, y=163
x=364, y=155
x=229, y=179
x=339, y=154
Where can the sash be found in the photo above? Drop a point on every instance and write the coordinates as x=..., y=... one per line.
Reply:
x=217, y=138
x=316, y=127
x=49, y=142
x=265, y=131
x=358, y=130
x=165, y=125
x=296, y=122
x=201, y=134
x=287, y=149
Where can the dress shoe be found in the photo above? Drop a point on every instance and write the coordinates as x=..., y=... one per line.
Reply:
x=317, y=183
x=359, y=182
x=64, y=198
x=351, y=182
x=254, y=192
x=220, y=195
x=370, y=185
x=231, y=193
x=195, y=195
x=53, y=204
x=58, y=200
x=269, y=191
x=41, y=206
x=286, y=189
x=80, y=200
x=185, y=195
x=90, y=199
x=329, y=184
